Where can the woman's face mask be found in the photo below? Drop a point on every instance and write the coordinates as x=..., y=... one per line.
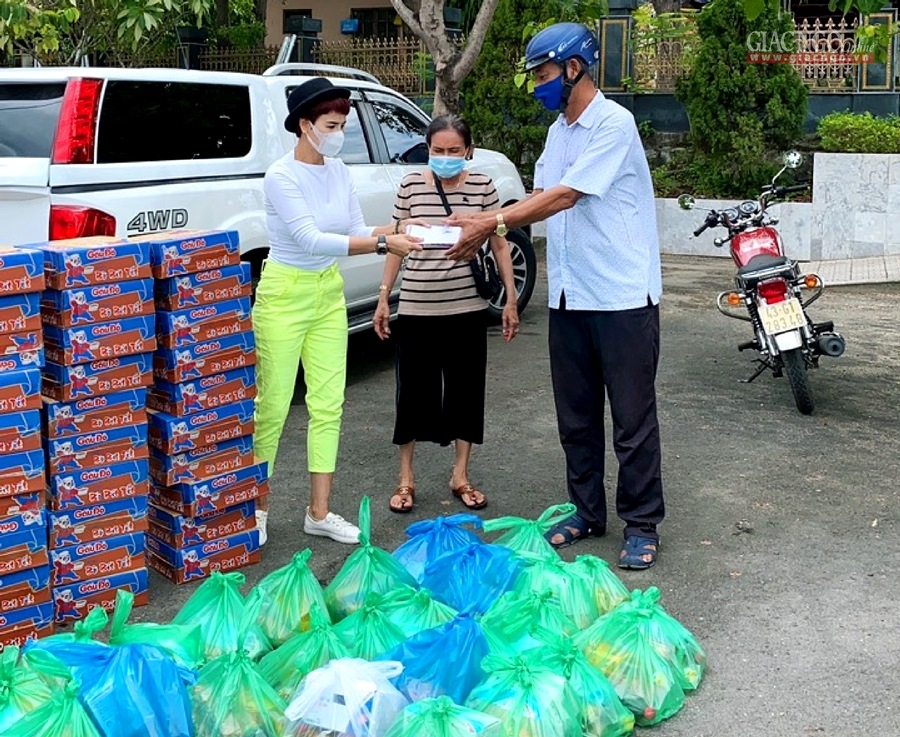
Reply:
x=446, y=167
x=327, y=143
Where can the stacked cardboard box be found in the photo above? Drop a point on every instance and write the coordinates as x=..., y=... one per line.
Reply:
x=99, y=332
x=27, y=610
x=205, y=478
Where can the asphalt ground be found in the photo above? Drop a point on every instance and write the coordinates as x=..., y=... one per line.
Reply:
x=780, y=547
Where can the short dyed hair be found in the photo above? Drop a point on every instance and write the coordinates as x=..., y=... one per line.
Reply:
x=335, y=105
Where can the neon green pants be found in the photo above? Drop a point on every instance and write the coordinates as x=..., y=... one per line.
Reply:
x=300, y=316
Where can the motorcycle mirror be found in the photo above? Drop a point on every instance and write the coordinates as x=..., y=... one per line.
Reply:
x=686, y=202
x=793, y=159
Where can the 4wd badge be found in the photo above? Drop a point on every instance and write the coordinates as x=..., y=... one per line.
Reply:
x=153, y=220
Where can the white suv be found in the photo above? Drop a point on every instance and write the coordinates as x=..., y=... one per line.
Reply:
x=87, y=151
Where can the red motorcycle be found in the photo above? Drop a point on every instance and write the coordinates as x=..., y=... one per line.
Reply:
x=772, y=290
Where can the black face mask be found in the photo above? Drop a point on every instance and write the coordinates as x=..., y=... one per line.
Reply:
x=568, y=86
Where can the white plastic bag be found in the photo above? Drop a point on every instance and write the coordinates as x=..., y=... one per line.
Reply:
x=348, y=697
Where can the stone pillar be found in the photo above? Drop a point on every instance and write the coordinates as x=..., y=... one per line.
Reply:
x=615, y=54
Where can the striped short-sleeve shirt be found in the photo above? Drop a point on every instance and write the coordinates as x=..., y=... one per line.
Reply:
x=432, y=284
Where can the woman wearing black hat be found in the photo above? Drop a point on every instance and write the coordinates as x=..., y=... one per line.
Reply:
x=300, y=315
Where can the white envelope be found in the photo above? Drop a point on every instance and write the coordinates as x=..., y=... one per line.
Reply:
x=436, y=235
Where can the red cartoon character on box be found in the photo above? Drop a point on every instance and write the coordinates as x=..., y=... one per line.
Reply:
x=181, y=437
x=191, y=532
x=183, y=332
x=63, y=568
x=187, y=295
x=182, y=468
x=189, y=366
x=205, y=501
x=65, y=420
x=76, y=271
x=66, y=606
x=193, y=566
x=66, y=459
x=81, y=347
x=26, y=343
x=65, y=533
x=81, y=310
x=79, y=381
x=174, y=261
x=69, y=493
x=192, y=400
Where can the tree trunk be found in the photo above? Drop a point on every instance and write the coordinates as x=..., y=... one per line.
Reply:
x=666, y=6
x=259, y=7
x=446, y=93
x=222, y=14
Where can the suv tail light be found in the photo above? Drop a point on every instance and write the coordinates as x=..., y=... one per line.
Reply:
x=76, y=131
x=69, y=221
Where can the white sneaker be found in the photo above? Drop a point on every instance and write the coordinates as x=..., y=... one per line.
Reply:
x=333, y=526
x=262, y=519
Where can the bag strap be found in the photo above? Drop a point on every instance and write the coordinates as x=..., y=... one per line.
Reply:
x=440, y=190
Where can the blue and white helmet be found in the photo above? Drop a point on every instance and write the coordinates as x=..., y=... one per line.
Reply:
x=561, y=42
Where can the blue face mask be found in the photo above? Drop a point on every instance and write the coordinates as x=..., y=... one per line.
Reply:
x=550, y=94
x=446, y=167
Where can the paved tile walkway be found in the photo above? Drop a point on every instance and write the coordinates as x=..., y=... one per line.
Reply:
x=873, y=270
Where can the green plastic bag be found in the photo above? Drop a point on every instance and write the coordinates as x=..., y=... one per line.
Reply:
x=218, y=607
x=182, y=642
x=284, y=668
x=290, y=592
x=572, y=590
x=618, y=644
x=85, y=630
x=369, y=632
x=231, y=698
x=518, y=622
x=368, y=570
x=62, y=715
x=602, y=714
x=440, y=717
x=607, y=588
x=413, y=610
x=670, y=638
x=527, y=535
x=24, y=685
x=528, y=698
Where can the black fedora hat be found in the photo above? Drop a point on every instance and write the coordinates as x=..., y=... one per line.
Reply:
x=308, y=95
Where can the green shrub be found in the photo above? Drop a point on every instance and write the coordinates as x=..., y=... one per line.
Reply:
x=860, y=133
x=742, y=115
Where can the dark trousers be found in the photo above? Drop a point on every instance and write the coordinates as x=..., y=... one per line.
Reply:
x=441, y=368
x=617, y=352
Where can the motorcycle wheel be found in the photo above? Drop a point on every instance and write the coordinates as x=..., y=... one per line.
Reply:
x=795, y=367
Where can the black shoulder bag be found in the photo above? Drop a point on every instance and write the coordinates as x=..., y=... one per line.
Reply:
x=484, y=271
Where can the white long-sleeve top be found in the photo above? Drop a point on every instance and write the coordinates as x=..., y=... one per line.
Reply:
x=311, y=212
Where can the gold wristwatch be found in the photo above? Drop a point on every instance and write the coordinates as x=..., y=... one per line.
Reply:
x=501, y=228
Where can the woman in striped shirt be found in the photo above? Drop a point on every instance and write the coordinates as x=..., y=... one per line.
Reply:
x=442, y=321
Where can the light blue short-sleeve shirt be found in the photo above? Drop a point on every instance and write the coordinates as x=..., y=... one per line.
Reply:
x=603, y=253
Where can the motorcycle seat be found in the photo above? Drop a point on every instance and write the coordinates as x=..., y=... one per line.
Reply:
x=758, y=263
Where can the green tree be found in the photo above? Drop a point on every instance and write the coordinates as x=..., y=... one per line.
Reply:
x=740, y=113
x=504, y=117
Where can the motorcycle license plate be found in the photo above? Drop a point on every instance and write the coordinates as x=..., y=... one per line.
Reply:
x=782, y=316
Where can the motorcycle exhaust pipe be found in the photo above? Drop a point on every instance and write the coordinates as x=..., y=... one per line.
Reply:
x=830, y=344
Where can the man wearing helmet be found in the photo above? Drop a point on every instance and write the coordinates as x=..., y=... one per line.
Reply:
x=592, y=185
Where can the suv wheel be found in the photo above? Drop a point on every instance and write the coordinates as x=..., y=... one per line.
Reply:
x=524, y=272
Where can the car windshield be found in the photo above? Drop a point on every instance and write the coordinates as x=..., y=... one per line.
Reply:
x=28, y=117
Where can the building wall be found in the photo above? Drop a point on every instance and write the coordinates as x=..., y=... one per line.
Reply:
x=330, y=12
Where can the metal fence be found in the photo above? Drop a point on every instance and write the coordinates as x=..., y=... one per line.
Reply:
x=402, y=64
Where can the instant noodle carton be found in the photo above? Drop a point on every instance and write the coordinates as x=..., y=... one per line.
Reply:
x=32, y=618
x=176, y=252
x=206, y=499
x=21, y=271
x=98, y=522
x=25, y=521
x=199, y=395
x=99, y=485
x=178, y=531
x=73, y=602
x=20, y=636
x=109, y=376
x=177, y=365
x=83, y=262
x=202, y=324
x=20, y=432
x=20, y=391
x=20, y=313
x=97, y=559
x=99, y=448
x=172, y=435
x=198, y=561
x=31, y=504
x=22, y=351
x=23, y=551
x=201, y=463
x=22, y=473
x=101, y=341
x=25, y=588
x=104, y=303
x=204, y=288
x=94, y=414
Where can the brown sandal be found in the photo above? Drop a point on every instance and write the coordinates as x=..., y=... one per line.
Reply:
x=405, y=493
x=469, y=491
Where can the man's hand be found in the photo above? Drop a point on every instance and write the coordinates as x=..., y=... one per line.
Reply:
x=476, y=229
